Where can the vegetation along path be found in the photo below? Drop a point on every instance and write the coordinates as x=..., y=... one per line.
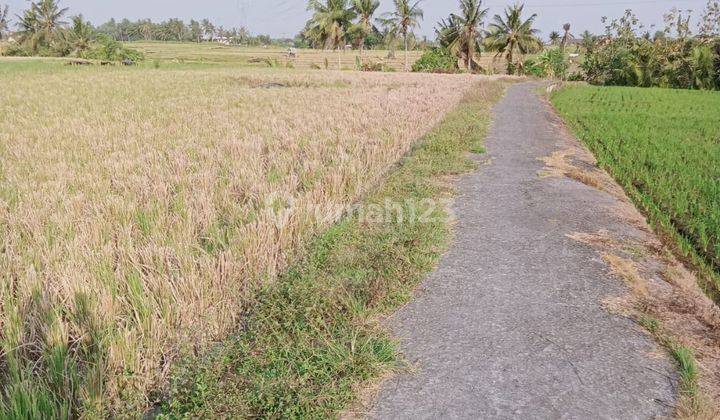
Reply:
x=512, y=323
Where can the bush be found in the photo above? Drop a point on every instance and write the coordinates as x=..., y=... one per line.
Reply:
x=375, y=66
x=437, y=60
x=682, y=64
x=554, y=63
x=703, y=67
x=15, y=50
x=624, y=59
x=531, y=68
x=551, y=63
x=111, y=50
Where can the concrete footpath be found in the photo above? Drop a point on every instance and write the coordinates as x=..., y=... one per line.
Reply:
x=511, y=325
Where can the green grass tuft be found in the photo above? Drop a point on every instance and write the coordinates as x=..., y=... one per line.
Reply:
x=650, y=323
x=686, y=367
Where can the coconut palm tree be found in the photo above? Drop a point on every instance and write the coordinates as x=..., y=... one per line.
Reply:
x=388, y=36
x=589, y=41
x=208, y=29
x=28, y=29
x=328, y=25
x=49, y=15
x=461, y=34
x=403, y=20
x=195, y=30
x=365, y=9
x=175, y=29
x=146, y=29
x=554, y=37
x=80, y=35
x=513, y=36
x=567, y=36
x=3, y=20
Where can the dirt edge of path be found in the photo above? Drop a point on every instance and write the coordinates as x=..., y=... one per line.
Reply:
x=663, y=294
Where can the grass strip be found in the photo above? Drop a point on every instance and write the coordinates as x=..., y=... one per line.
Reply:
x=314, y=336
x=692, y=404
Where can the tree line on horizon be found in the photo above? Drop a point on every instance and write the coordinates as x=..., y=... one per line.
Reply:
x=630, y=54
x=336, y=23
x=627, y=53
x=44, y=29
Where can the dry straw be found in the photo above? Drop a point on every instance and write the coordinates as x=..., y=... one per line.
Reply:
x=134, y=220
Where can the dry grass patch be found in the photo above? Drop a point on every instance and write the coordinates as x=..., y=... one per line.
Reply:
x=213, y=53
x=139, y=210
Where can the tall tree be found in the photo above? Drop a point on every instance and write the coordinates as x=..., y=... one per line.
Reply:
x=175, y=29
x=48, y=15
x=208, y=29
x=4, y=10
x=125, y=28
x=195, y=30
x=80, y=35
x=146, y=29
x=365, y=10
x=710, y=20
x=388, y=36
x=513, y=36
x=554, y=37
x=329, y=23
x=567, y=36
x=109, y=28
x=29, y=28
x=589, y=41
x=40, y=25
x=403, y=20
x=462, y=33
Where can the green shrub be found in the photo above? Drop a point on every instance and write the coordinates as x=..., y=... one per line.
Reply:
x=375, y=66
x=554, y=63
x=437, y=60
x=551, y=63
x=703, y=67
x=15, y=50
x=625, y=59
x=111, y=50
x=531, y=68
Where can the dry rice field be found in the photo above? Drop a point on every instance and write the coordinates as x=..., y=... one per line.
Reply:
x=306, y=58
x=138, y=207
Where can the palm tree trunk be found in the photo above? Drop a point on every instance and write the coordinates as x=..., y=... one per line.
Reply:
x=406, y=52
x=511, y=69
x=470, y=53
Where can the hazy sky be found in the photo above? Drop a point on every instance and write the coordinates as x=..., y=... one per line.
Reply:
x=287, y=17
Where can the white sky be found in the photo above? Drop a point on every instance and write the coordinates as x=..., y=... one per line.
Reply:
x=287, y=17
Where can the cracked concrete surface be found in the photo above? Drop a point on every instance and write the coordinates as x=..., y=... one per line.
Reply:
x=511, y=324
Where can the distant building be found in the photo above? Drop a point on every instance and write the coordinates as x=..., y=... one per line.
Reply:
x=221, y=40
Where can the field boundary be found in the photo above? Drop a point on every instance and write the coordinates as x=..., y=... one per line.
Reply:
x=682, y=247
x=664, y=297
x=314, y=338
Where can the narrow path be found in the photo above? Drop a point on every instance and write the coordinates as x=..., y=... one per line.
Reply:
x=511, y=325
